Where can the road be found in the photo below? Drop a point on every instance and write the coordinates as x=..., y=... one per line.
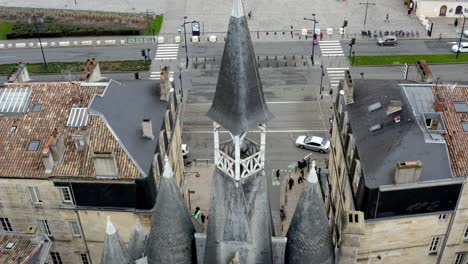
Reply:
x=404, y=47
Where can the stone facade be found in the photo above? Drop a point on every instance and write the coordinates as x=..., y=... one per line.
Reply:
x=441, y=8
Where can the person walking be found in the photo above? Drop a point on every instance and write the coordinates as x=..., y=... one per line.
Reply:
x=196, y=213
x=282, y=213
x=301, y=177
x=321, y=35
x=250, y=14
x=386, y=18
x=203, y=217
x=455, y=24
x=291, y=183
x=278, y=174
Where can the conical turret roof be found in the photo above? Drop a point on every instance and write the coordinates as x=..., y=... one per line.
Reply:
x=137, y=243
x=171, y=238
x=239, y=104
x=309, y=237
x=114, y=251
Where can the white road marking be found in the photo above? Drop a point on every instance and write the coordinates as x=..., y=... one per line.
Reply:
x=258, y=131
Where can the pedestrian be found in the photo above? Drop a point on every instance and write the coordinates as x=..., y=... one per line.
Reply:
x=321, y=35
x=455, y=24
x=250, y=14
x=301, y=177
x=277, y=174
x=196, y=213
x=282, y=213
x=409, y=12
x=203, y=217
x=291, y=183
x=386, y=18
x=197, y=174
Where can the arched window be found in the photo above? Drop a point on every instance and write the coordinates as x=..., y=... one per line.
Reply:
x=458, y=10
x=443, y=10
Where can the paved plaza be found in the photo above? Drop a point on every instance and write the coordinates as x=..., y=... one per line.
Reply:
x=267, y=15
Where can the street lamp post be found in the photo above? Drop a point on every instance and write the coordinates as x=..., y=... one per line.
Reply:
x=313, y=38
x=185, y=39
x=40, y=42
x=461, y=36
x=189, y=202
x=321, y=79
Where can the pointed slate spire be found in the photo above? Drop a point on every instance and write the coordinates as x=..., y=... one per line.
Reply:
x=114, y=251
x=171, y=238
x=239, y=104
x=137, y=243
x=309, y=237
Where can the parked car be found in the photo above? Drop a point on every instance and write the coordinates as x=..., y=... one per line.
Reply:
x=185, y=151
x=313, y=143
x=387, y=41
x=463, y=47
x=465, y=33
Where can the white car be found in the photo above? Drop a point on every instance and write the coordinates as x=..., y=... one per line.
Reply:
x=463, y=47
x=185, y=151
x=313, y=143
x=465, y=33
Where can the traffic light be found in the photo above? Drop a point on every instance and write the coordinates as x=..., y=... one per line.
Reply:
x=345, y=23
x=143, y=53
x=353, y=41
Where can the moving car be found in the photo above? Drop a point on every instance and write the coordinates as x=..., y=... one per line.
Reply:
x=463, y=47
x=387, y=41
x=313, y=143
x=185, y=151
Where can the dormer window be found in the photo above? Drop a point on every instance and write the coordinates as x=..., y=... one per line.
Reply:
x=105, y=165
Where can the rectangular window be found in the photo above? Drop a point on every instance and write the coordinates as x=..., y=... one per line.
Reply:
x=6, y=224
x=56, y=259
x=460, y=258
x=84, y=258
x=66, y=195
x=434, y=245
x=34, y=145
x=442, y=216
x=75, y=227
x=35, y=196
x=45, y=227
x=465, y=235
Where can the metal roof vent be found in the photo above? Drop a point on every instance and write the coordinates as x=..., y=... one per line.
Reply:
x=374, y=106
x=9, y=245
x=78, y=117
x=375, y=127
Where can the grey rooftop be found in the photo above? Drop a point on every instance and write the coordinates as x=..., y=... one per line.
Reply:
x=123, y=106
x=380, y=151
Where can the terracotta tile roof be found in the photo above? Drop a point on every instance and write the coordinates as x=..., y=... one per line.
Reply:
x=22, y=248
x=56, y=102
x=457, y=139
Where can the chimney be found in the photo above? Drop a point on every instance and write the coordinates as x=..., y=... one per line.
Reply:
x=351, y=233
x=348, y=87
x=53, y=151
x=408, y=172
x=80, y=141
x=76, y=96
x=47, y=160
x=147, y=129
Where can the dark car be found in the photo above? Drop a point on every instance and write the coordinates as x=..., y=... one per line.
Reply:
x=387, y=41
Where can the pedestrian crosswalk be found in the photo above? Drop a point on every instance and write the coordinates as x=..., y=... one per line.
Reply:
x=167, y=52
x=157, y=75
x=335, y=75
x=331, y=48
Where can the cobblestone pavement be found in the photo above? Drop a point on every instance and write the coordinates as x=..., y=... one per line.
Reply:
x=267, y=15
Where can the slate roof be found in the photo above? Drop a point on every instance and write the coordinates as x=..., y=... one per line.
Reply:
x=457, y=138
x=171, y=238
x=239, y=221
x=123, y=106
x=309, y=236
x=137, y=243
x=23, y=248
x=239, y=104
x=379, y=151
x=114, y=251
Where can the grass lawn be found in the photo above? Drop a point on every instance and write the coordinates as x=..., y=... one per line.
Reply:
x=5, y=27
x=58, y=67
x=155, y=25
x=410, y=59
